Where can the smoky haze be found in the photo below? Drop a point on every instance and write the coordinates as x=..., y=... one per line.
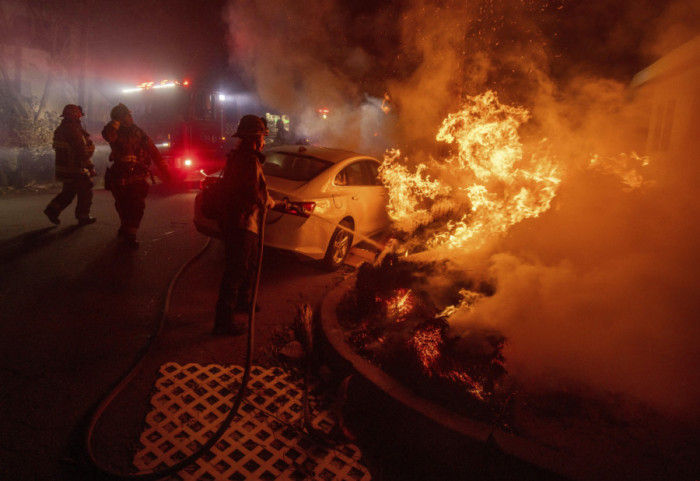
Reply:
x=301, y=57
x=600, y=290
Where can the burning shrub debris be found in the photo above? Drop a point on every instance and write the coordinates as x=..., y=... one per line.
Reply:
x=397, y=320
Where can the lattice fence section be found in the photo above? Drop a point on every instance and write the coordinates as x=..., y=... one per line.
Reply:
x=264, y=442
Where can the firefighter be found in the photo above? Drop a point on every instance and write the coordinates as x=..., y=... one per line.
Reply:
x=282, y=136
x=245, y=185
x=74, y=168
x=132, y=154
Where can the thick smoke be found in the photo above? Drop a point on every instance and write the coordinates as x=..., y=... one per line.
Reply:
x=302, y=57
x=599, y=290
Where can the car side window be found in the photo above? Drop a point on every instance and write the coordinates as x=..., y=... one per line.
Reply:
x=364, y=172
x=341, y=178
x=371, y=173
x=353, y=174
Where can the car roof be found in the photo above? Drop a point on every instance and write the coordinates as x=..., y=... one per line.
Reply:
x=324, y=153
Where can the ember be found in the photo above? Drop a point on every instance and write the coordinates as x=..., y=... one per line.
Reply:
x=393, y=320
x=426, y=343
x=400, y=305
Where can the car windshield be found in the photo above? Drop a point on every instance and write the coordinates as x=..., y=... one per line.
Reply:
x=293, y=167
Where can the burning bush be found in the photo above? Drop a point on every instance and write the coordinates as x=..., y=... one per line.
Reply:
x=398, y=320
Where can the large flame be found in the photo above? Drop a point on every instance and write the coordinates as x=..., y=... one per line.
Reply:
x=490, y=177
x=409, y=193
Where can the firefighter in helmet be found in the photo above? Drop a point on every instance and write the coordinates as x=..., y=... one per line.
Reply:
x=132, y=154
x=74, y=167
x=244, y=182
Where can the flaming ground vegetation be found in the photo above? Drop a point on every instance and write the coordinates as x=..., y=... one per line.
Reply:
x=397, y=322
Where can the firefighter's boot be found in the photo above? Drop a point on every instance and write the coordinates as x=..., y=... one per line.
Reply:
x=52, y=215
x=128, y=235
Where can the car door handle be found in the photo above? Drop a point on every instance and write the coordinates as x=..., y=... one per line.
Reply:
x=354, y=197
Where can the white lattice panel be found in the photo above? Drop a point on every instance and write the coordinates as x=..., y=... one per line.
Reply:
x=264, y=442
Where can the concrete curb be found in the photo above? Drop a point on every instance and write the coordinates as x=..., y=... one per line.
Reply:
x=527, y=451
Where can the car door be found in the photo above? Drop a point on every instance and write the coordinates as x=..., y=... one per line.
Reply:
x=376, y=197
x=366, y=196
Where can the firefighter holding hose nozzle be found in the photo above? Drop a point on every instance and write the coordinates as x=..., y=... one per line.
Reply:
x=246, y=197
x=132, y=154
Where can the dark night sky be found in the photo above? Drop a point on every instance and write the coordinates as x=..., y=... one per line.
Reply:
x=153, y=39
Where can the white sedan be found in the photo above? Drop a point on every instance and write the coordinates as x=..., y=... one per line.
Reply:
x=335, y=201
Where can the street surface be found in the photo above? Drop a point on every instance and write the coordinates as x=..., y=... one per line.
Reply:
x=77, y=309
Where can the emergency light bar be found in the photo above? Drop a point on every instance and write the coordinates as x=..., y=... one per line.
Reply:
x=153, y=85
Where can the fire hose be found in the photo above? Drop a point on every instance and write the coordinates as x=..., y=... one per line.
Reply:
x=238, y=400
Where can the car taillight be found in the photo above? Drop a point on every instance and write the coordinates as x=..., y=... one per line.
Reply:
x=302, y=209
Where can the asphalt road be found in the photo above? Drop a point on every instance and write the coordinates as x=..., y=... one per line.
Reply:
x=77, y=309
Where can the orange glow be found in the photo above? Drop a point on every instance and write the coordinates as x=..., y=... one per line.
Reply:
x=400, y=305
x=475, y=388
x=408, y=191
x=489, y=177
x=626, y=167
x=386, y=108
x=426, y=344
x=466, y=304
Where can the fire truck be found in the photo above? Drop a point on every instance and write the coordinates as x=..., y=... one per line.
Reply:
x=186, y=122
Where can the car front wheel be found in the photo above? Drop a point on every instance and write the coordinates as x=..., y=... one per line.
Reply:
x=338, y=247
